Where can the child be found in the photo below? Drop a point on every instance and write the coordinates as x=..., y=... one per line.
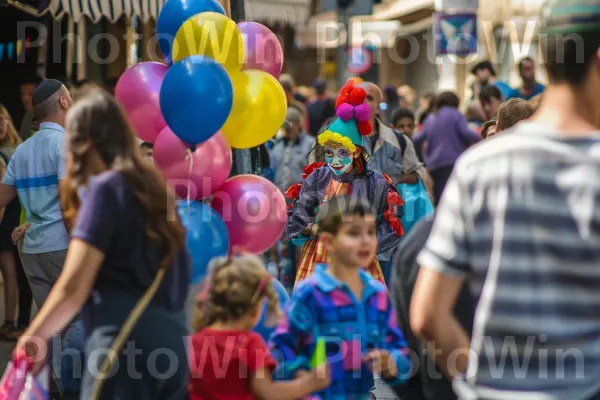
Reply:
x=403, y=120
x=512, y=112
x=228, y=360
x=346, y=307
x=148, y=150
x=344, y=171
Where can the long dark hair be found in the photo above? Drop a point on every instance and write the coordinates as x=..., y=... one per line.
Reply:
x=97, y=122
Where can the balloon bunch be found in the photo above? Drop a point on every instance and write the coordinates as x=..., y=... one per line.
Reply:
x=218, y=90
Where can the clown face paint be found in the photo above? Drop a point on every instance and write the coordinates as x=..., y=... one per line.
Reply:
x=338, y=158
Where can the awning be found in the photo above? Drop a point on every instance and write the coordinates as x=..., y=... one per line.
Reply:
x=398, y=9
x=292, y=12
x=94, y=10
x=112, y=10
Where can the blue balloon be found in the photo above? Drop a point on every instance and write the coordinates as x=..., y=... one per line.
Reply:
x=174, y=13
x=284, y=299
x=206, y=236
x=196, y=97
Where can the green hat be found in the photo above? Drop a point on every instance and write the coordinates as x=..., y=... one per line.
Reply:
x=571, y=16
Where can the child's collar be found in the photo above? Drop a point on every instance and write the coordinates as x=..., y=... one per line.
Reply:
x=328, y=283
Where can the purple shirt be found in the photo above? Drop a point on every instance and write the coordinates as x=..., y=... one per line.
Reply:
x=111, y=219
x=447, y=137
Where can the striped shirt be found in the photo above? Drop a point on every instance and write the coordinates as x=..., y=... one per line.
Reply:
x=519, y=218
x=35, y=170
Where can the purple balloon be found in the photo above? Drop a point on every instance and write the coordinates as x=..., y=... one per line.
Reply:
x=263, y=49
x=254, y=211
x=138, y=91
x=211, y=164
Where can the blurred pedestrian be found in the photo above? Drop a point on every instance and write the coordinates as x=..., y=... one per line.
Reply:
x=447, y=136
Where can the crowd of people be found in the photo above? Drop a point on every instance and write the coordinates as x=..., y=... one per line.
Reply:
x=491, y=296
x=411, y=141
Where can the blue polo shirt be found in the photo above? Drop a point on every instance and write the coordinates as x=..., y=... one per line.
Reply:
x=35, y=170
x=516, y=92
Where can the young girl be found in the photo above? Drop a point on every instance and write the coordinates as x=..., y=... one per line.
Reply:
x=344, y=171
x=228, y=360
x=346, y=307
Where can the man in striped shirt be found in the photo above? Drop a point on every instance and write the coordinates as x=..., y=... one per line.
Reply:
x=520, y=222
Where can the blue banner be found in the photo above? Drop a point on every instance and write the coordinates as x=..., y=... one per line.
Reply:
x=456, y=34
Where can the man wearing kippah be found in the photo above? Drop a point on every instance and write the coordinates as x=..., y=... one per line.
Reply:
x=519, y=223
x=34, y=173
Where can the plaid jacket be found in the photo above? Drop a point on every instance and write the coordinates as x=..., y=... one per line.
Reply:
x=322, y=306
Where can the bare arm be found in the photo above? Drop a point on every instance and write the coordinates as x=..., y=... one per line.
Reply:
x=409, y=178
x=432, y=319
x=303, y=385
x=7, y=194
x=70, y=292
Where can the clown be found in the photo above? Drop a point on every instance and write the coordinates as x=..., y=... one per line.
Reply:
x=344, y=171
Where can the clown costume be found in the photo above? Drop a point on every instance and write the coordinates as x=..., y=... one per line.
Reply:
x=344, y=171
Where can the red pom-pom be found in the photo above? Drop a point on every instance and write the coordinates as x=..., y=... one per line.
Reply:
x=364, y=128
x=357, y=96
x=351, y=94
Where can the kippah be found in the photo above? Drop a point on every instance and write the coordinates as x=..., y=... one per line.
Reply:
x=44, y=90
x=571, y=16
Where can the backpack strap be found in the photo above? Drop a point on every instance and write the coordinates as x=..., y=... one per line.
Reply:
x=401, y=140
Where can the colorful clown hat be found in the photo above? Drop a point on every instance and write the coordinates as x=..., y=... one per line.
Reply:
x=353, y=119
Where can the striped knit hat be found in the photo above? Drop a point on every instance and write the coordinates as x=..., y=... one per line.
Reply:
x=571, y=16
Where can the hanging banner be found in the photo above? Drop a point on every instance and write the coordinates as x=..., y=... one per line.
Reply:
x=12, y=50
x=455, y=34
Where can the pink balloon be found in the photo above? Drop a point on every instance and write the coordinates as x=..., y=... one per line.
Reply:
x=138, y=91
x=254, y=211
x=210, y=162
x=263, y=49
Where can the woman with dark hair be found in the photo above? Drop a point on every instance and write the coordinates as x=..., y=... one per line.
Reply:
x=447, y=136
x=126, y=267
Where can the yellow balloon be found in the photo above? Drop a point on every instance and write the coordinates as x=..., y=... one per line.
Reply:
x=213, y=35
x=258, y=112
